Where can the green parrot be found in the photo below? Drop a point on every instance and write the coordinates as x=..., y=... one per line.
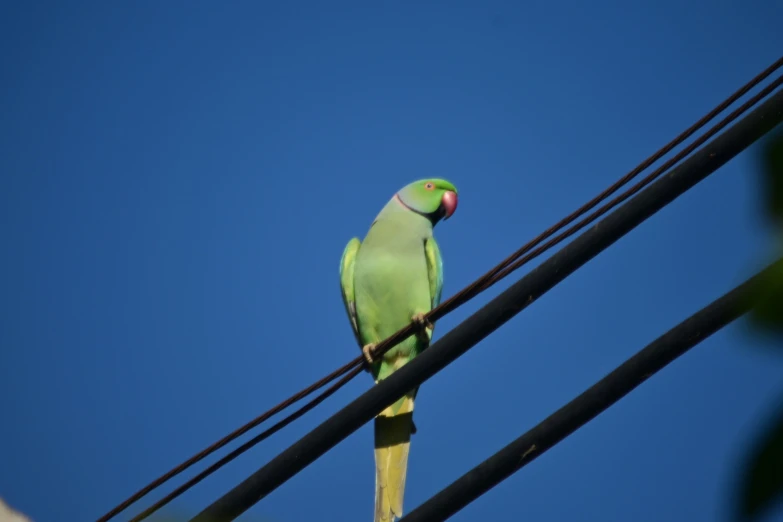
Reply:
x=392, y=278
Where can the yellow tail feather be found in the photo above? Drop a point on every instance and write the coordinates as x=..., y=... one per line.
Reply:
x=392, y=442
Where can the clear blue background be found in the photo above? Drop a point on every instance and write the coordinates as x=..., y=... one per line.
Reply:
x=179, y=180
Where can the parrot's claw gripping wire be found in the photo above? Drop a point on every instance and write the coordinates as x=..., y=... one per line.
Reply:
x=367, y=350
x=423, y=324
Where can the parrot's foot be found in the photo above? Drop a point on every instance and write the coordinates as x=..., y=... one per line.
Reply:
x=424, y=324
x=367, y=350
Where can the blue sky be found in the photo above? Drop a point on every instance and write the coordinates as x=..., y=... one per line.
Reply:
x=179, y=180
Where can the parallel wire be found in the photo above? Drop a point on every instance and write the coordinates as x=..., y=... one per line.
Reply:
x=225, y=440
x=247, y=445
x=500, y=271
x=641, y=184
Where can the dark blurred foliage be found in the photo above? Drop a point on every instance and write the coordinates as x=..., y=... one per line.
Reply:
x=761, y=477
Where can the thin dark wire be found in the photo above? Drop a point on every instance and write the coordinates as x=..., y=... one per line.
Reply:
x=643, y=183
x=247, y=445
x=225, y=440
x=500, y=271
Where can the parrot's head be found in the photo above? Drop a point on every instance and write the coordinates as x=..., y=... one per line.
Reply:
x=433, y=198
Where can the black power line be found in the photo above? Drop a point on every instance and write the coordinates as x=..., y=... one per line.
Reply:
x=599, y=397
x=247, y=445
x=495, y=313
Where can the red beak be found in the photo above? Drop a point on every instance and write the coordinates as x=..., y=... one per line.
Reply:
x=449, y=202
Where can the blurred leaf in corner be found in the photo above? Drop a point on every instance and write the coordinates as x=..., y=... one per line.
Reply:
x=767, y=311
x=772, y=175
x=760, y=484
x=9, y=514
x=762, y=479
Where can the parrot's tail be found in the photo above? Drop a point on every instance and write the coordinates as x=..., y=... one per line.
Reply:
x=392, y=442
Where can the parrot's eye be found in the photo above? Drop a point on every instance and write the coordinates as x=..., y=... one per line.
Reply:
x=429, y=185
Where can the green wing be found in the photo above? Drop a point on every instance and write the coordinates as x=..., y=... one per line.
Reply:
x=434, y=270
x=346, y=283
